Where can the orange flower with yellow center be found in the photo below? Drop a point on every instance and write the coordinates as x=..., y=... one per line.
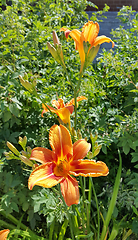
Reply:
x=65, y=159
x=4, y=233
x=61, y=109
x=89, y=34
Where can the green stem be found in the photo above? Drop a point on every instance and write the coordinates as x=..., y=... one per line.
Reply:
x=113, y=199
x=83, y=205
x=98, y=213
x=7, y=225
x=15, y=221
x=68, y=214
x=75, y=99
x=89, y=199
x=75, y=109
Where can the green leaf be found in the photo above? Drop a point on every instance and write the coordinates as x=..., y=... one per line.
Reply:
x=113, y=199
x=6, y=116
x=25, y=206
x=135, y=225
x=135, y=210
x=13, y=109
x=126, y=149
x=14, y=206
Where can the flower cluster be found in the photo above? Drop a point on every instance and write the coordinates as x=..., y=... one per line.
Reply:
x=66, y=159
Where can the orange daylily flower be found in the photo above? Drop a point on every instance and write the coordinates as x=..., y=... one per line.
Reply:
x=4, y=233
x=65, y=159
x=61, y=109
x=89, y=34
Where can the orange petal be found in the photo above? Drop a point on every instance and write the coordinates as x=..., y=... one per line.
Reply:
x=81, y=52
x=88, y=168
x=90, y=31
x=4, y=233
x=102, y=39
x=76, y=35
x=63, y=29
x=80, y=98
x=70, y=190
x=67, y=31
x=46, y=109
x=80, y=149
x=70, y=108
x=72, y=102
x=64, y=114
x=43, y=176
x=60, y=140
x=42, y=155
x=58, y=104
x=55, y=103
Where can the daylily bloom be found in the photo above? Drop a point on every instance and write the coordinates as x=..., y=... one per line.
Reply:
x=61, y=109
x=4, y=233
x=89, y=35
x=65, y=159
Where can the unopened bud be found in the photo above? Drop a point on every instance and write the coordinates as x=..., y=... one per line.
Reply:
x=86, y=46
x=55, y=38
x=25, y=76
x=79, y=135
x=26, y=84
x=26, y=160
x=23, y=142
x=12, y=148
x=29, y=150
x=34, y=83
x=92, y=54
x=53, y=52
x=10, y=155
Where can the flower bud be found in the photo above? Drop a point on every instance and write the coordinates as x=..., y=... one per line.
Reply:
x=55, y=38
x=12, y=148
x=9, y=155
x=92, y=54
x=23, y=141
x=26, y=84
x=53, y=52
x=26, y=160
x=86, y=46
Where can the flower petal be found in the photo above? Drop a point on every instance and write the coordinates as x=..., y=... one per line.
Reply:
x=70, y=108
x=70, y=190
x=75, y=34
x=80, y=149
x=77, y=37
x=42, y=155
x=67, y=31
x=64, y=114
x=43, y=176
x=72, y=102
x=58, y=104
x=46, y=109
x=88, y=168
x=4, y=233
x=90, y=31
x=60, y=141
x=102, y=39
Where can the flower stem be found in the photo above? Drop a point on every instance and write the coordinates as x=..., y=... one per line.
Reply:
x=68, y=214
x=75, y=109
x=113, y=199
x=98, y=214
x=16, y=221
